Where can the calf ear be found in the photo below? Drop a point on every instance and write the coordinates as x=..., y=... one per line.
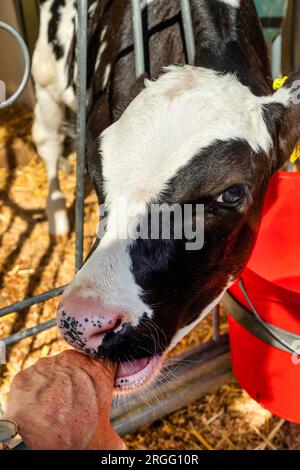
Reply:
x=287, y=119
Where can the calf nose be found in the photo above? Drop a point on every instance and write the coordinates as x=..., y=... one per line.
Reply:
x=84, y=322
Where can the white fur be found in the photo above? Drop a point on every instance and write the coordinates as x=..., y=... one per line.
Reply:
x=283, y=96
x=232, y=3
x=146, y=3
x=92, y=7
x=107, y=275
x=102, y=48
x=53, y=93
x=48, y=72
x=184, y=111
x=48, y=135
x=106, y=75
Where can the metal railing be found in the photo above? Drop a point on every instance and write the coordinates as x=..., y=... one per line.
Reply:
x=26, y=74
x=80, y=175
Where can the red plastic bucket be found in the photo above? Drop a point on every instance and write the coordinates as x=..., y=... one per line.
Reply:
x=271, y=374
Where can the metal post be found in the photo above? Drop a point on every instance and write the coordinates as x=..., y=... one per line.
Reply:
x=188, y=30
x=216, y=323
x=138, y=38
x=81, y=128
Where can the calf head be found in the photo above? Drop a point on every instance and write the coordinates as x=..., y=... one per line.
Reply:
x=192, y=139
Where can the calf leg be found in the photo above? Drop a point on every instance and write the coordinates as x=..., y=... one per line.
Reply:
x=48, y=136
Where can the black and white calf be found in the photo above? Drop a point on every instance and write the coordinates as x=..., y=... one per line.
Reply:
x=209, y=135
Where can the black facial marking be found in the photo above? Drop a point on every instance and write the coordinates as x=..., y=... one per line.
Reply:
x=74, y=333
x=53, y=28
x=133, y=342
x=213, y=170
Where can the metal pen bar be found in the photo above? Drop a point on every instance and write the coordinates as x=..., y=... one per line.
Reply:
x=26, y=75
x=81, y=128
x=138, y=37
x=188, y=30
x=216, y=323
x=37, y=299
x=29, y=332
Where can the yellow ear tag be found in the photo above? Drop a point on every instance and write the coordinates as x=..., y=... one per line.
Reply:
x=279, y=82
x=296, y=153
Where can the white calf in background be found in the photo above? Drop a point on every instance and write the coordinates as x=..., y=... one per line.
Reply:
x=55, y=90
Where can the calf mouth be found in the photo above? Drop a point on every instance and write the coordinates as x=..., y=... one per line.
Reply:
x=137, y=373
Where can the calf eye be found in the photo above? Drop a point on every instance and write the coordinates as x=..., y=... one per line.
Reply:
x=234, y=195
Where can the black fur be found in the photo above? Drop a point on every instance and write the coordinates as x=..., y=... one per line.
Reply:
x=53, y=28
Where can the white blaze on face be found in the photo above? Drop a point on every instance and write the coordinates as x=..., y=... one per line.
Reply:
x=184, y=111
x=107, y=275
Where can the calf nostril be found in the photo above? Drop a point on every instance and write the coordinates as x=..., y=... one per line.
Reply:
x=117, y=324
x=86, y=323
x=111, y=327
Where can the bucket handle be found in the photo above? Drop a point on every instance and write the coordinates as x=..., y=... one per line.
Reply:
x=265, y=325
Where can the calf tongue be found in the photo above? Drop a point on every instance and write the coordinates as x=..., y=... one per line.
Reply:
x=130, y=368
